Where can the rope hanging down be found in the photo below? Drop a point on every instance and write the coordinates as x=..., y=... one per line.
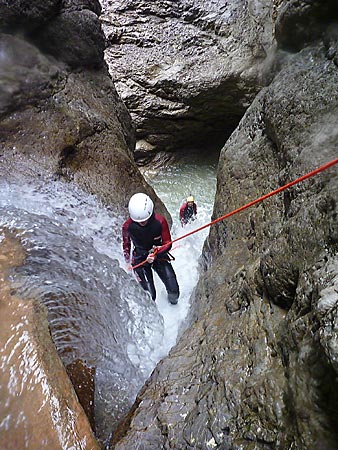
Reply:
x=248, y=205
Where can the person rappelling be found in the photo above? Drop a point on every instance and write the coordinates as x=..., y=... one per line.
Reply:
x=188, y=211
x=147, y=231
x=150, y=235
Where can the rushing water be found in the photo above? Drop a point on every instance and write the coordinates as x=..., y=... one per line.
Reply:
x=189, y=175
x=75, y=266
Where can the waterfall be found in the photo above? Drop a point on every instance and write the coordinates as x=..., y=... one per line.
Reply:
x=74, y=265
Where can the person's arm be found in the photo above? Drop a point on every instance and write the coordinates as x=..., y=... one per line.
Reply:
x=182, y=213
x=195, y=209
x=165, y=235
x=126, y=242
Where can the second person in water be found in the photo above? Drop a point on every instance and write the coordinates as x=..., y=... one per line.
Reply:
x=188, y=211
x=145, y=230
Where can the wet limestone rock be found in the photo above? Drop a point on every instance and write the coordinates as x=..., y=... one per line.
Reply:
x=38, y=406
x=186, y=70
x=83, y=380
x=57, y=114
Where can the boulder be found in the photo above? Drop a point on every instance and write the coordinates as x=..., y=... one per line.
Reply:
x=38, y=405
x=301, y=22
x=72, y=126
x=74, y=37
x=186, y=70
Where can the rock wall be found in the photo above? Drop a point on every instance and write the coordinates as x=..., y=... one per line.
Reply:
x=257, y=366
x=59, y=109
x=186, y=70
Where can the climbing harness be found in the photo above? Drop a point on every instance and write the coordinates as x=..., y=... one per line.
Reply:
x=153, y=252
x=242, y=208
x=169, y=258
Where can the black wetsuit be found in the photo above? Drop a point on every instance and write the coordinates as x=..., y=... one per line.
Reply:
x=187, y=213
x=144, y=237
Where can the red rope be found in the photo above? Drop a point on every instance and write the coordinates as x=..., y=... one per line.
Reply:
x=248, y=205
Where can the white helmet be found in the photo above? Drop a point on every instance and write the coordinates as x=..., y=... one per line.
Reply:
x=140, y=207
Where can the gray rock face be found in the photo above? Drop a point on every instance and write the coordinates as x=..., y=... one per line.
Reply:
x=27, y=77
x=186, y=70
x=26, y=15
x=79, y=5
x=68, y=30
x=72, y=123
x=257, y=368
x=302, y=22
x=74, y=37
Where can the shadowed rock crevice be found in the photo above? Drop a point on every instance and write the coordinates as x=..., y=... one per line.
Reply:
x=279, y=282
x=83, y=379
x=301, y=22
x=68, y=163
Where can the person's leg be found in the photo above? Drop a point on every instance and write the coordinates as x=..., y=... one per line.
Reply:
x=144, y=276
x=166, y=273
